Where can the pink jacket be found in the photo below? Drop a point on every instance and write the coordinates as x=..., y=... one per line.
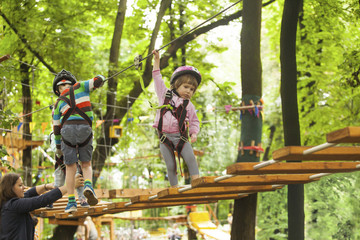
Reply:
x=170, y=123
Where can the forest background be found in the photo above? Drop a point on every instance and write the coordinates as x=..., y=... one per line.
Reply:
x=83, y=37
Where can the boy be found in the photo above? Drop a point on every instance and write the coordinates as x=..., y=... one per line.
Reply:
x=72, y=121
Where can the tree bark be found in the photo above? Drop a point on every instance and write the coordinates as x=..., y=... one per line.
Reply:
x=27, y=108
x=290, y=113
x=244, y=216
x=103, y=148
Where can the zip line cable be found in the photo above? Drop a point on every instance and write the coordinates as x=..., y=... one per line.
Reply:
x=140, y=60
x=27, y=85
x=184, y=34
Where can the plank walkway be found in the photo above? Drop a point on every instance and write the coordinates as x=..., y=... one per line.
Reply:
x=242, y=179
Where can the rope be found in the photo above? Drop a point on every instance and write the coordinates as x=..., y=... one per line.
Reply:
x=35, y=111
x=139, y=60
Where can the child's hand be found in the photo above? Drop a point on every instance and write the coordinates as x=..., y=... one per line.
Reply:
x=156, y=60
x=193, y=137
x=59, y=152
x=79, y=180
x=100, y=77
x=156, y=54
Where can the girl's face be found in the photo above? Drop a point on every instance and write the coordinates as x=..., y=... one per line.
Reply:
x=63, y=87
x=19, y=188
x=186, y=91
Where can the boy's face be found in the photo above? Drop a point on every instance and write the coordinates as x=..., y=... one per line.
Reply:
x=186, y=91
x=62, y=87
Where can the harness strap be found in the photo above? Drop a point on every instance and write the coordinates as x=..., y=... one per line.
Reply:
x=60, y=162
x=74, y=109
x=180, y=115
x=78, y=145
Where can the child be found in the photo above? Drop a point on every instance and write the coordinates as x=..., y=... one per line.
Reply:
x=60, y=173
x=72, y=121
x=171, y=124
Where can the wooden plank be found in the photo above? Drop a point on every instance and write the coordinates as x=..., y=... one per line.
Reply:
x=80, y=213
x=295, y=153
x=177, y=218
x=249, y=180
x=145, y=198
x=79, y=221
x=128, y=193
x=43, y=212
x=292, y=168
x=140, y=206
x=120, y=207
x=19, y=143
x=345, y=135
x=173, y=192
x=61, y=207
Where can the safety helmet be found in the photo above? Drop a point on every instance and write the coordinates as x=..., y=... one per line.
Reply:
x=63, y=77
x=185, y=70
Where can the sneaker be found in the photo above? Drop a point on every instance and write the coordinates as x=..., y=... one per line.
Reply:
x=49, y=206
x=71, y=207
x=90, y=195
x=84, y=204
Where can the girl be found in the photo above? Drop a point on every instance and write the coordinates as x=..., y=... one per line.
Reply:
x=171, y=121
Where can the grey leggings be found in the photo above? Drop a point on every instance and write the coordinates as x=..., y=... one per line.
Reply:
x=187, y=153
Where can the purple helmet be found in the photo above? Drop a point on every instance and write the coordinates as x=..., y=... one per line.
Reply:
x=185, y=70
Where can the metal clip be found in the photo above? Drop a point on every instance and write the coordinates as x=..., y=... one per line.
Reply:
x=137, y=62
x=184, y=139
x=162, y=138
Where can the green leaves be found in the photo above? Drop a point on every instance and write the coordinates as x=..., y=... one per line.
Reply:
x=8, y=119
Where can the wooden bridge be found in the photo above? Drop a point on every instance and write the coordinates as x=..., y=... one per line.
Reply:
x=241, y=180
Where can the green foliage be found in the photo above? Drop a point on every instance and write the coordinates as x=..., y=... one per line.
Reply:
x=76, y=35
x=8, y=119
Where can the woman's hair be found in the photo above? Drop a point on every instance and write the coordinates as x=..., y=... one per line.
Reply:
x=186, y=78
x=6, y=187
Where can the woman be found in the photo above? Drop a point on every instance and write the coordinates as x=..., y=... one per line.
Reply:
x=16, y=205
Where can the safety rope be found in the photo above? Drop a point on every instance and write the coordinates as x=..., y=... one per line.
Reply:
x=139, y=59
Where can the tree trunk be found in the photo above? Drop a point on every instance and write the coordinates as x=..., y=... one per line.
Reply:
x=99, y=155
x=290, y=110
x=27, y=108
x=64, y=232
x=244, y=216
x=101, y=152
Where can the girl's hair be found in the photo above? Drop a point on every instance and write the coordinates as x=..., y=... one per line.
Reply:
x=6, y=187
x=186, y=78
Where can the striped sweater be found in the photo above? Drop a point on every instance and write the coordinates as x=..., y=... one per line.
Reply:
x=82, y=98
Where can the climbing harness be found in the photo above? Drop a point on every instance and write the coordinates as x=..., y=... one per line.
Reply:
x=180, y=114
x=74, y=109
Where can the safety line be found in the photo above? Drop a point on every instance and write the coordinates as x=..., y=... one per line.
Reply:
x=184, y=34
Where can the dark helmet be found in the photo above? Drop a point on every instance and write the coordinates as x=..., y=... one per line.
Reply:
x=185, y=70
x=63, y=77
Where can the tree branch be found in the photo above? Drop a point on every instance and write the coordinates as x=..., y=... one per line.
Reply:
x=24, y=40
